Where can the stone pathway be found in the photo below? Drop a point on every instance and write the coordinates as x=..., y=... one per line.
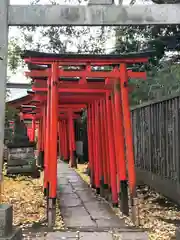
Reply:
x=79, y=206
x=86, y=217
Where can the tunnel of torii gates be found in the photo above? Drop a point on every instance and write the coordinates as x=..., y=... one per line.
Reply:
x=63, y=85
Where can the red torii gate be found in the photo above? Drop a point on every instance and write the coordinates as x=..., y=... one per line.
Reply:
x=71, y=79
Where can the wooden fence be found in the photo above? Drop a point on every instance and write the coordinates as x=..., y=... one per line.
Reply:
x=156, y=130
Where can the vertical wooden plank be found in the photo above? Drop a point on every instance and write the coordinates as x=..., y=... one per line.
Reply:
x=177, y=143
x=166, y=137
x=174, y=108
x=157, y=139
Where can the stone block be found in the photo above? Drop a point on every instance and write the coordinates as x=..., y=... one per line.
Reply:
x=6, y=219
x=21, y=156
x=20, y=162
x=16, y=234
x=41, y=159
x=178, y=233
x=131, y=235
x=21, y=153
x=22, y=145
x=21, y=169
x=29, y=150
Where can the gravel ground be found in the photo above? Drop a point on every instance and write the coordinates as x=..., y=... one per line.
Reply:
x=158, y=215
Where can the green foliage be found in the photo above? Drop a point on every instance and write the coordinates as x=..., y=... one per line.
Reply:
x=162, y=73
x=10, y=113
x=160, y=83
x=14, y=52
x=76, y=39
x=9, y=116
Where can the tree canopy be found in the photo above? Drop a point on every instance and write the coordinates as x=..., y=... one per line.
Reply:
x=163, y=68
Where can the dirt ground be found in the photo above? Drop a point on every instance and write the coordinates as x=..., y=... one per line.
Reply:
x=158, y=215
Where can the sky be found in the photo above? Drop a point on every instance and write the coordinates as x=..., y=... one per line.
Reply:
x=19, y=76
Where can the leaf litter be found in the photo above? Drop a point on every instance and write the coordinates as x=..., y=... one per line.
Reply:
x=26, y=196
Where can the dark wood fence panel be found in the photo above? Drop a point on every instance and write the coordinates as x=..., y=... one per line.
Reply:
x=156, y=131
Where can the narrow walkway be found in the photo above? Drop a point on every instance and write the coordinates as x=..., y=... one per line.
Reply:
x=79, y=206
x=83, y=212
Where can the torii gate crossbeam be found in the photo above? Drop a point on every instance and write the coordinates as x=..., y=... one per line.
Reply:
x=92, y=15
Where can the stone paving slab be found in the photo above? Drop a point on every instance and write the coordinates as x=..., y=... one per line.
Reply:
x=79, y=186
x=65, y=189
x=77, y=217
x=82, y=236
x=74, y=179
x=66, y=174
x=64, y=170
x=109, y=223
x=86, y=196
x=131, y=235
x=62, y=181
x=96, y=235
x=61, y=235
x=76, y=188
x=70, y=200
x=99, y=210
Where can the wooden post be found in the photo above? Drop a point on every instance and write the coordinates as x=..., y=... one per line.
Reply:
x=100, y=147
x=96, y=173
x=103, y=176
x=73, y=162
x=53, y=145
x=91, y=146
x=66, y=157
x=107, y=167
x=47, y=142
x=129, y=141
x=112, y=159
x=105, y=150
x=33, y=129
x=39, y=135
x=120, y=150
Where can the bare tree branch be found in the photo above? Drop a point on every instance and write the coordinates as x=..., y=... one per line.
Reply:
x=132, y=2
